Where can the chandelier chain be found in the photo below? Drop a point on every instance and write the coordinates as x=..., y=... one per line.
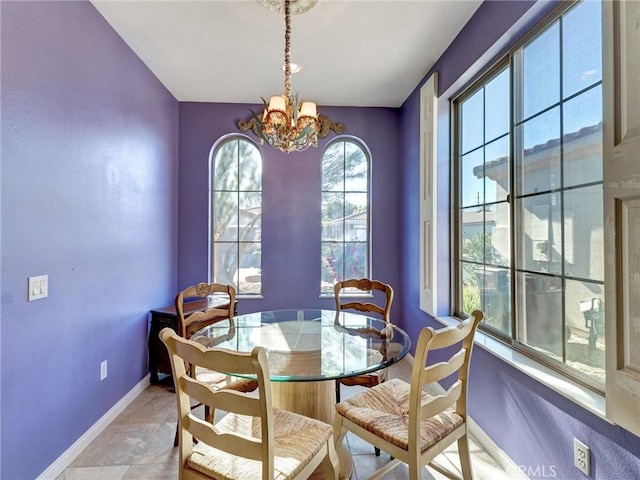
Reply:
x=287, y=48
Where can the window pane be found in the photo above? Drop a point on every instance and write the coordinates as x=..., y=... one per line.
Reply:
x=585, y=328
x=541, y=72
x=225, y=218
x=494, y=288
x=249, y=271
x=584, y=234
x=356, y=175
x=497, y=107
x=496, y=170
x=582, y=47
x=540, y=234
x=540, y=315
x=250, y=227
x=224, y=262
x=470, y=290
x=355, y=220
x=355, y=261
x=497, y=234
x=332, y=266
x=473, y=241
x=582, y=142
x=225, y=176
x=332, y=216
x=472, y=122
x=250, y=167
x=538, y=166
x=472, y=189
x=333, y=167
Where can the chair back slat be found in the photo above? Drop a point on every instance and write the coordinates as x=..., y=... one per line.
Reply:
x=364, y=285
x=363, y=307
x=223, y=359
x=438, y=371
x=440, y=403
x=233, y=444
x=451, y=335
x=225, y=400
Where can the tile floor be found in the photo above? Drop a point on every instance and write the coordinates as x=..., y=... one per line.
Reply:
x=138, y=445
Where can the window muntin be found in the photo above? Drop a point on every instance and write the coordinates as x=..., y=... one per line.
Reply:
x=536, y=191
x=236, y=219
x=345, y=213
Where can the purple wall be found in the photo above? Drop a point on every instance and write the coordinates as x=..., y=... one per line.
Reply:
x=89, y=162
x=89, y=195
x=291, y=202
x=534, y=425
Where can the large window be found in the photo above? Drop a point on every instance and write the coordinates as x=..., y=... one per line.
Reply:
x=529, y=208
x=345, y=212
x=236, y=213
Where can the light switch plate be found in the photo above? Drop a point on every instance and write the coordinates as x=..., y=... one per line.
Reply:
x=38, y=287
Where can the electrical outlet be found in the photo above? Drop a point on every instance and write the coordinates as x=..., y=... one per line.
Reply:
x=103, y=370
x=581, y=457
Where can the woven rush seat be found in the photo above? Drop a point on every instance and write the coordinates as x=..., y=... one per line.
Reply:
x=297, y=440
x=383, y=410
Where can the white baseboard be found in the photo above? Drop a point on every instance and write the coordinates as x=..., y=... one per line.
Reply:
x=54, y=470
x=501, y=458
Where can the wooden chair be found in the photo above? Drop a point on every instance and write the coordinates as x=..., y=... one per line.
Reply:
x=363, y=285
x=251, y=439
x=218, y=295
x=219, y=310
x=409, y=423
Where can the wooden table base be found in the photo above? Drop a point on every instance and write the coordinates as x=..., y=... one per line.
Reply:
x=315, y=400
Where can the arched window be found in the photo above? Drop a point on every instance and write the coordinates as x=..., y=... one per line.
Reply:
x=346, y=174
x=236, y=215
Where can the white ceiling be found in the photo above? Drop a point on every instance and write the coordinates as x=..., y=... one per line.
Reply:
x=353, y=52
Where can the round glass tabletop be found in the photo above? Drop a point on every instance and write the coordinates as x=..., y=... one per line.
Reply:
x=311, y=344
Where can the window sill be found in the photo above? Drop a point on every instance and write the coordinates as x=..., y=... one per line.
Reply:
x=577, y=393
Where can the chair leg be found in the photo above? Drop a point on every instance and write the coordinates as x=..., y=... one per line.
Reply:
x=465, y=459
x=337, y=391
x=377, y=450
x=331, y=462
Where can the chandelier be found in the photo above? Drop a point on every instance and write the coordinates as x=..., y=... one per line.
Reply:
x=286, y=123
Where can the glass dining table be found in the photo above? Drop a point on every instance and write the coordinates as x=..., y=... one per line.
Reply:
x=307, y=350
